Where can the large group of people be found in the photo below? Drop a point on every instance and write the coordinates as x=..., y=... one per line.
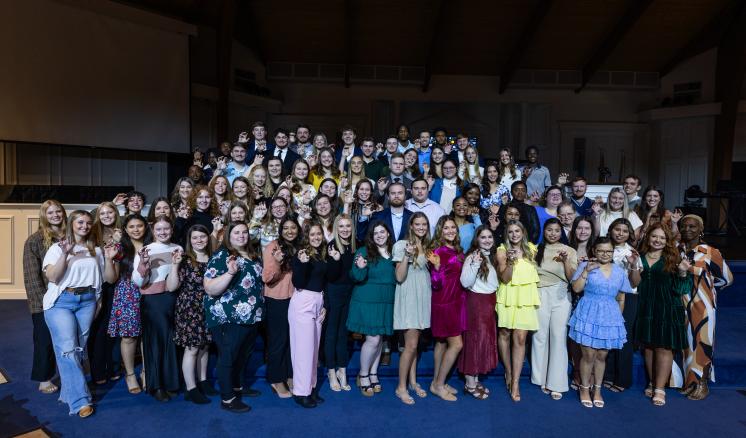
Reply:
x=399, y=245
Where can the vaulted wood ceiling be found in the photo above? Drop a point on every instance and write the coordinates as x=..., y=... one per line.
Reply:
x=471, y=37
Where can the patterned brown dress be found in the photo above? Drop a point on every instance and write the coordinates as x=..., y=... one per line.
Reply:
x=190, y=328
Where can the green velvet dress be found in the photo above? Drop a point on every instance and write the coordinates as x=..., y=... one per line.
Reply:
x=372, y=303
x=661, y=319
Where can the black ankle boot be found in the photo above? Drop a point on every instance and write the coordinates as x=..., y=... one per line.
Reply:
x=195, y=396
x=161, y=395
x=316, y=397
x=206, y=388
x=305, y=400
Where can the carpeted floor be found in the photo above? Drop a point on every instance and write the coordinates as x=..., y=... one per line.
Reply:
x=22, y=408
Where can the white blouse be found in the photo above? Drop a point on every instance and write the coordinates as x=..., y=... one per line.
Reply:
x=83, y=270
x=471, y=280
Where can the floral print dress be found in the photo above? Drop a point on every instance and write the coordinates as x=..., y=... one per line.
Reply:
x=243, y=301
x=190, y=329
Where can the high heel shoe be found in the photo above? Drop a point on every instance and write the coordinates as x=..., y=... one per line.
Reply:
x=586, y=402
x=366, y=390
x=342, y=378
x=85, y=411
x=132, y=386
x=282, y=392
x=333, y=382
x=659, y=397
x=375, y=384
x=597, y=403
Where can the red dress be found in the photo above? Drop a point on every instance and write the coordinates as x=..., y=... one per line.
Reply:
x=448, y=315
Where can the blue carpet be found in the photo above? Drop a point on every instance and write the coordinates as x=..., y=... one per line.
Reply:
x=349, y=414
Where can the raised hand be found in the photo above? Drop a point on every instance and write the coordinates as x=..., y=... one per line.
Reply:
x=597, y=208
x=535, y=197
x=333, y=252
x=145, y=257
x=222, y=163
x=303, y=256
x=527, y=171
x=289, y=181
x=177, y=256
x=367, y=211
x=217, y=224
x=183, y=212
x=512, y=255
x=232, y=264
x=66, y=246
x=562, y=178
x=409, y=249
x=434, y=259
x=120, y=199
x=116, y=235
x=258, y=159
x=311, y=160
x=592, y=265
x=278, y=255
x=494, y=221
x=382, y=183
x=633, y=258
x=476, y=258
x=684, y=266
x=562, y=256
x=676, y=215
x=260, y=210
x=243, y=137
x=426, y=169
x=349, y=197
x=110, y=251
x=360, y=262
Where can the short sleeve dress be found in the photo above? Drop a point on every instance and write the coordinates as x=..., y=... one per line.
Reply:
x=449, y=296
x=412, y=296
x=518, y=300
x=372, y=302
x=597, y=321
x=661, y=318
x=190, y=329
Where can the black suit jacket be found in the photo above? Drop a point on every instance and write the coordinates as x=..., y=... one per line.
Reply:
x=385, y=217
x=287, y=163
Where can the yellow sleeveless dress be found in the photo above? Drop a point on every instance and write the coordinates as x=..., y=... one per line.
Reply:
x=518, y=300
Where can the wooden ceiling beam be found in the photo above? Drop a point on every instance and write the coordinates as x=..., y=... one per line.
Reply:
x=707, y=38
x=633, y=13
x=523, y=43
x=435, y=43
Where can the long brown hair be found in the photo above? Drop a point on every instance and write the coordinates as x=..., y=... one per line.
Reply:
x=90, y=241
x=251, y=250
x=484, y=266
x=438, y=240
x=421, y=243
x=316, y=254
x=370, y=244
x=45, y=227
x=191, y=255
x=670, y=255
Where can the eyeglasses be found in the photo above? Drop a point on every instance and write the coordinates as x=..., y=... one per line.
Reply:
x=608, y=251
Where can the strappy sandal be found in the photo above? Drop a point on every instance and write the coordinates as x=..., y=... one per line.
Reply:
x=132, y=388
x=443, y=394
x=475, y=392
x=421, y=393
x=342, y=378
x=404, y=396
x=507, y=381
x=51, y=388
x=366, y=390
x=515, y=397
x=659, y=397
x=649, y=390
x=483, y=388
x=333, y=382
x=554, y=394
x=598, y=403
x=376, y=385
x=611, y=386
x=586, y=402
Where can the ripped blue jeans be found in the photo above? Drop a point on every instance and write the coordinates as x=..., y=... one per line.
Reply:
x=69, y=322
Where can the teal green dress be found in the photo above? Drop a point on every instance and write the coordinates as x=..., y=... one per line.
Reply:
x=661, y=318
x=372, y=303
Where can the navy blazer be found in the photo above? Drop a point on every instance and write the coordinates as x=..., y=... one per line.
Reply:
x=385, y=217
x=290, y=158
x=251, y=151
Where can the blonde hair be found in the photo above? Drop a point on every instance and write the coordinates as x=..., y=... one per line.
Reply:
x=45, y=227
x=467, y=172
x=99, y=228
x=90, y=241
x=267, y=190
x=337, y=241
x=421, y=243
x=528, y=249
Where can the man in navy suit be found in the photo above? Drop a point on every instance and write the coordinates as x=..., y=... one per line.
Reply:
x=258, y=144
x=282, y=151
x=395, y=217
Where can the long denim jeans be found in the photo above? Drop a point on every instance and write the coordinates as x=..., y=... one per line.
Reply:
x=69, y=322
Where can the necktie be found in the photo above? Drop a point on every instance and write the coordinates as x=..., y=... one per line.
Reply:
x=397, y=179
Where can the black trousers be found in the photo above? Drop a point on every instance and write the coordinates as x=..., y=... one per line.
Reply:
x=337, y=304
x=44, y=365
x=235, y=343
x=619, y=362
x=161, y=363
x=279, y=366
x=100, y=345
